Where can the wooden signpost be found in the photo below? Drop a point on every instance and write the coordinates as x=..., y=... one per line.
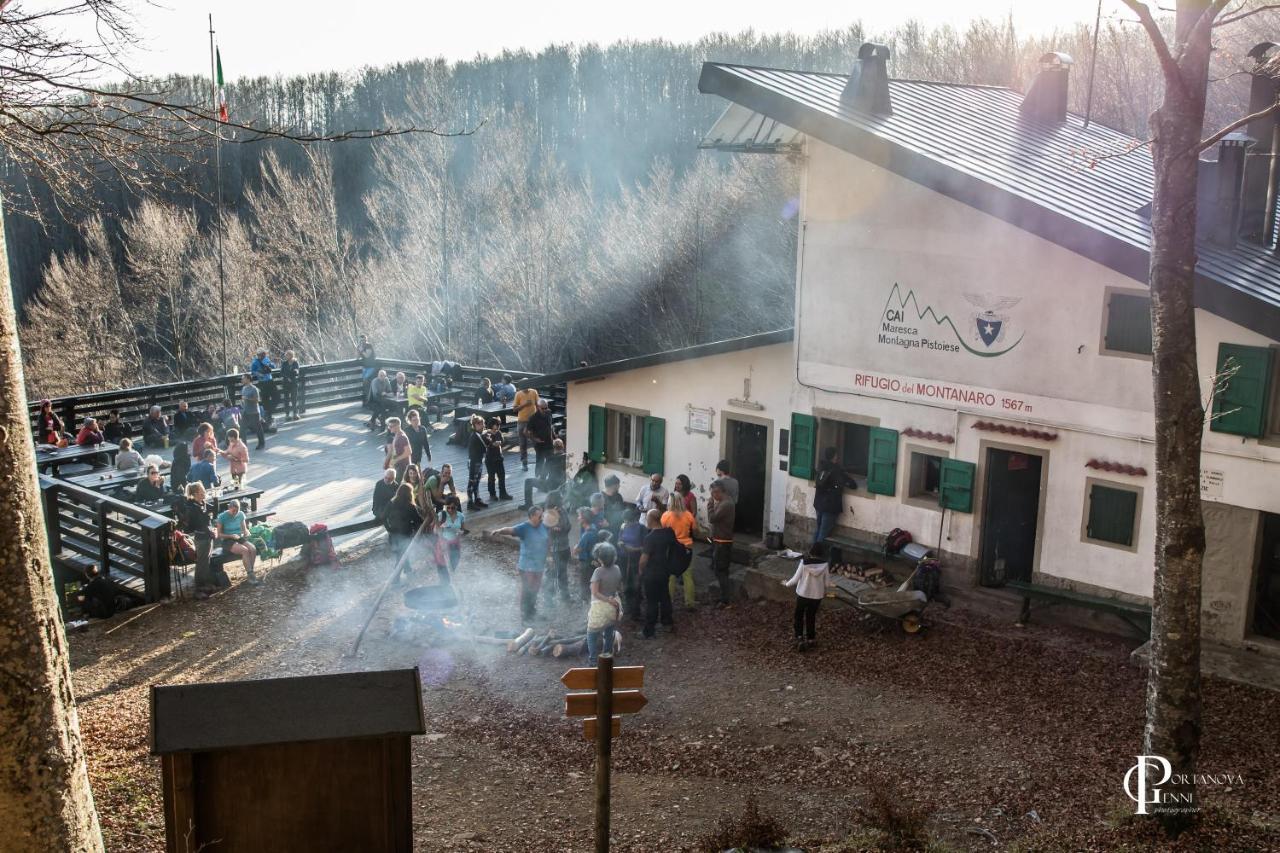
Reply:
x=614, y=690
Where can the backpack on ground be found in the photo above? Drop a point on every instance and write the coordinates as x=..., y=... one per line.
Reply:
x=182, y=549
x=895, y=540
x=290, y=534
x=319, y=549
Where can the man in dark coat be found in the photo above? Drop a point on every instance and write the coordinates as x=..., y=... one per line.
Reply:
x=383, y=492
x=828, y=494
x=541, y=435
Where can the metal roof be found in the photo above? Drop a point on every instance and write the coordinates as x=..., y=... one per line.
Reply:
x=746, y=132
x=970, y=143
x=763, y=339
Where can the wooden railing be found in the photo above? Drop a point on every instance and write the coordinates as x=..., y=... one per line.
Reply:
x=320, y=384
x=128, y=543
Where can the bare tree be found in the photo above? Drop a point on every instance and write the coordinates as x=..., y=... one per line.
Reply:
x=1173, y=724
x=79, y=318
x=60, y=123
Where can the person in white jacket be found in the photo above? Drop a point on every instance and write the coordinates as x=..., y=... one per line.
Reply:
x=811, y=580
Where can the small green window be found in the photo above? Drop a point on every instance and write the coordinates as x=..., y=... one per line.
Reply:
x=1243, y=392
x=655, y=445
x=1128, y=323
x=596, y=421
x=882, y=462
x=1112, y=514
x=804, y=431
x=955, y=490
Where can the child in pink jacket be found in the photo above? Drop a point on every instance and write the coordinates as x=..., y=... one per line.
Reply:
x=811, y=580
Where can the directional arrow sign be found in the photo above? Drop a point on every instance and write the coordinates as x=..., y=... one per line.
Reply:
x=584, y=678
x=589, y=727
x=584, y=704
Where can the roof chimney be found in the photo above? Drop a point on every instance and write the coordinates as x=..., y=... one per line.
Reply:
x=868, y=86
x=1218, y=205
x=1046, y=100
x=1260, y=174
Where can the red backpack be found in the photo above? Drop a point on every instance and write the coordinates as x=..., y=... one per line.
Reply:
x=319, y=551
x=896, y=540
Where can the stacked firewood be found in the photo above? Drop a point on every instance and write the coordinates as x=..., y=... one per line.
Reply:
x=868, y=573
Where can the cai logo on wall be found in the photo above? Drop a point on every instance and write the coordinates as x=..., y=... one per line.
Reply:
x=985, y=332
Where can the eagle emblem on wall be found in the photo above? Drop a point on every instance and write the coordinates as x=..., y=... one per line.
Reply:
x=990, y=323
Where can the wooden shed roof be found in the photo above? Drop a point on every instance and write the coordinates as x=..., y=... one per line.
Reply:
x=211, y=716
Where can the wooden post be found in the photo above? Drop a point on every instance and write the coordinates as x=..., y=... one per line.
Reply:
x=604, y=748
x=104, y=539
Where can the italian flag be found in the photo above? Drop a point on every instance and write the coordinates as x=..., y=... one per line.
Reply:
x=222, y=92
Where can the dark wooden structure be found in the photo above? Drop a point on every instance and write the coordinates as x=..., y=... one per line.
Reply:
x=316, y=763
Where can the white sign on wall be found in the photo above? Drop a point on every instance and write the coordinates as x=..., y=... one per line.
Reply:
x=1210, y=483
x=701, y=420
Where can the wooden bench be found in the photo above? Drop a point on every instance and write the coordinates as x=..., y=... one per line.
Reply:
x=1136, y=616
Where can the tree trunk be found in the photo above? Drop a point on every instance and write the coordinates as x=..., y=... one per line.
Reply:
x=45, y=801
x=1173, y=681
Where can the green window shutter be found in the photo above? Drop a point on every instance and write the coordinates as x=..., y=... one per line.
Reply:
x=804, y=435
x=1129, y=323
x=655, y=445
x=1111, y=514
x=882, y=461
x=597, y=419
x=955, y=487
x=1240, y=406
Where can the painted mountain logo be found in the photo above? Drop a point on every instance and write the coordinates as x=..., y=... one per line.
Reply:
x=905, y=324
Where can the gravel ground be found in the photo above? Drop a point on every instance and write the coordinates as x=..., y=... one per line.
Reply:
x=1008, y=739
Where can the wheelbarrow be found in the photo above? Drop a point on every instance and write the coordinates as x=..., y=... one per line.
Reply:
x=902, y=604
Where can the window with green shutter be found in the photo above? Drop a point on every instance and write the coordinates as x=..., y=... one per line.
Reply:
x=804, y=432
x=597, y=419
x=955, y=490
x=1128, y=323
x=1113, y=514
x=1243, y=377
x=655, y=445
x=882, y=461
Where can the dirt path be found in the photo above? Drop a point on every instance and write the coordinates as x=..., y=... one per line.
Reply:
x=1011, y=739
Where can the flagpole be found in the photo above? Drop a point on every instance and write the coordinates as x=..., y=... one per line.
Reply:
x=217, y=158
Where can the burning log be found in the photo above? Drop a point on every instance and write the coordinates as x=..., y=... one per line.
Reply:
x=520, y=641
x=528, y=647
x=572, y=648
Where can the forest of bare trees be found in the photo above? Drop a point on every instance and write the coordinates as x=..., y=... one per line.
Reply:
x=574, y=218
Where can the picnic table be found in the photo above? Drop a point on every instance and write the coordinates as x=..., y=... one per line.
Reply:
x=113, y=479
x=462, y=417
x=49, y=458
x=215, y=501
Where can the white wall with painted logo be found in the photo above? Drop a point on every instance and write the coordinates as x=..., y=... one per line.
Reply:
x=667, y=391
x=894, y=280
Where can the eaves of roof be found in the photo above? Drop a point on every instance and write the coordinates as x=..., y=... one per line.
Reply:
x=595, y=371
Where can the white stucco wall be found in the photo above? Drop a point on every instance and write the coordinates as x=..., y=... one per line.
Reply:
x=873, y=244
x=667, y=390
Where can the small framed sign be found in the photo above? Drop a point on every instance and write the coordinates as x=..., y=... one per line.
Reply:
x=701, y=420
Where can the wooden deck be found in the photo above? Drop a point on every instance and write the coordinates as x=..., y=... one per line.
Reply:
x=323, y=467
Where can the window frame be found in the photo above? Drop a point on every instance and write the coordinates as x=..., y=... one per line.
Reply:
x=912, y=497
x=829, y=421
x=1089, y=484
x=1108, y=293
x=636, y=417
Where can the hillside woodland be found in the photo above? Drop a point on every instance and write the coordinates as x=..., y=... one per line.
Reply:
x=563, y=213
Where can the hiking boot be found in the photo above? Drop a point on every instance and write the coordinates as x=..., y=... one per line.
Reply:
x=477, y=504
x=505, y=497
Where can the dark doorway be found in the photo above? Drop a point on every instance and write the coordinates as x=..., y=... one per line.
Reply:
x=1009, y=511
x=748, y=452
x=1266, y=596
